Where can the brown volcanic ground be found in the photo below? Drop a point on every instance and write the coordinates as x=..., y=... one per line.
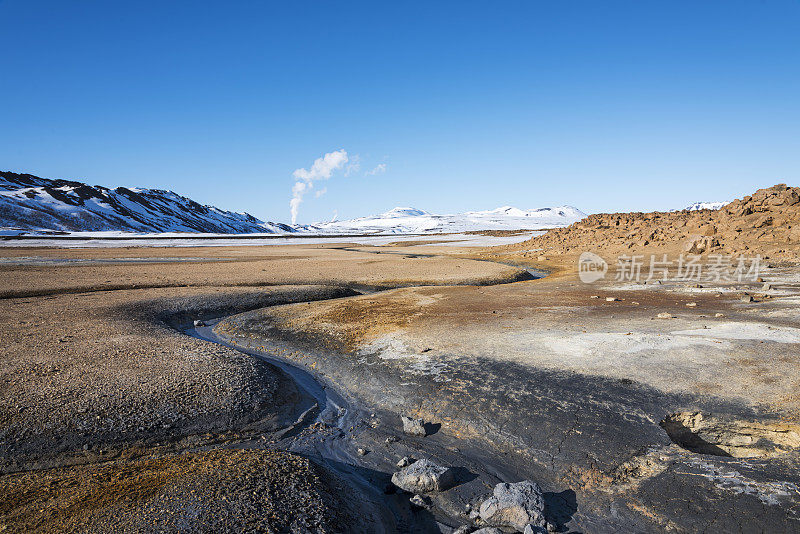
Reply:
x=107, y=411
x=766, y=222
x=214, y=489
x=109, y=417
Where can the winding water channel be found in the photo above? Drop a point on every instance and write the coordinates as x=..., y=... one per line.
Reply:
x=357, y=428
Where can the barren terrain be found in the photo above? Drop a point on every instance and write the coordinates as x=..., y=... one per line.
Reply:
x=644, y=404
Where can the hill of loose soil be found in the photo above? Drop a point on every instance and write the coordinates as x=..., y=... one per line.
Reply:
x=766, y=222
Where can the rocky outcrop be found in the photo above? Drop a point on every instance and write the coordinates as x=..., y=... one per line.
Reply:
x=424, y=476
x=708, y=434
x=413, y=427
x=766, y=222
x=515, y=505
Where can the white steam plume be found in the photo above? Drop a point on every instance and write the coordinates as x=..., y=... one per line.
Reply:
x=322, y=169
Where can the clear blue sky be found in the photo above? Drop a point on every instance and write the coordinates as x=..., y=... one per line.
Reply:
x=604, y=105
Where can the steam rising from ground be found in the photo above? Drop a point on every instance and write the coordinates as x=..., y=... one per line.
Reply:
x=322, y=169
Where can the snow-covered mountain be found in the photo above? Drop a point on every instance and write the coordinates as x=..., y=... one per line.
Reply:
x=34, y=203
x=705, y=206
x=415, y=221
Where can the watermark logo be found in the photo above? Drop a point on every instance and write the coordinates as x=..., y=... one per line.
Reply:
x=591, y=267
x=686, y=268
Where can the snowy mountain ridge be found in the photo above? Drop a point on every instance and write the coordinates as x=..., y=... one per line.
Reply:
x=705, y=206
x=34, y=203
x=407, y=220
x=29, y=203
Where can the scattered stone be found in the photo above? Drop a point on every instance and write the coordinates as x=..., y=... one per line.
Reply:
x=665, y=315
x=612, y=299
x=418, y=501
x=199, y=323
x=698, y=286
x=542, y=258
x=405, y=461
x=424, y=476
x=719, y=315
x=766, y=287
x=392, y=439
x=362, y=452
x=413, y=427
x=747, y=298
x=691, y=304
x=488, y=530
x=463, y=529
x=700, y=244
x=515, y=505
x=634, y=303
x=533, y=529
x=595, y=297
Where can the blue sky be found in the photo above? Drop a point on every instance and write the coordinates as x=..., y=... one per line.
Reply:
x=607, y=106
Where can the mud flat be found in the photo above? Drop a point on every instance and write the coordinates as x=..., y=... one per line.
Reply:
x=100, y=384
x=633, y=421
x=629, y=422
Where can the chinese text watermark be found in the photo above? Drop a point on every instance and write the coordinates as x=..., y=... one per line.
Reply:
x=684, y=268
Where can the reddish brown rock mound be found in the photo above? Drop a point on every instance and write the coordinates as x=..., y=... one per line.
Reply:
x=766, y=222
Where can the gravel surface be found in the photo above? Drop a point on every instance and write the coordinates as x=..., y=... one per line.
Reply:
x=87, y=374
x=112, y=419
x=216, y=491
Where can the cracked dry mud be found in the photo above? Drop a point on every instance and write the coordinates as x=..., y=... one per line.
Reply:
x=628, y=422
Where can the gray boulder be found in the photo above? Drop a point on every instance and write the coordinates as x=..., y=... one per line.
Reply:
x=424, y=476
x=488, y=530
x=530, y=529
x=515, y=505
x=413, y=427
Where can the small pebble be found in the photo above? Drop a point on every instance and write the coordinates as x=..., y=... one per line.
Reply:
x=419, y=501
